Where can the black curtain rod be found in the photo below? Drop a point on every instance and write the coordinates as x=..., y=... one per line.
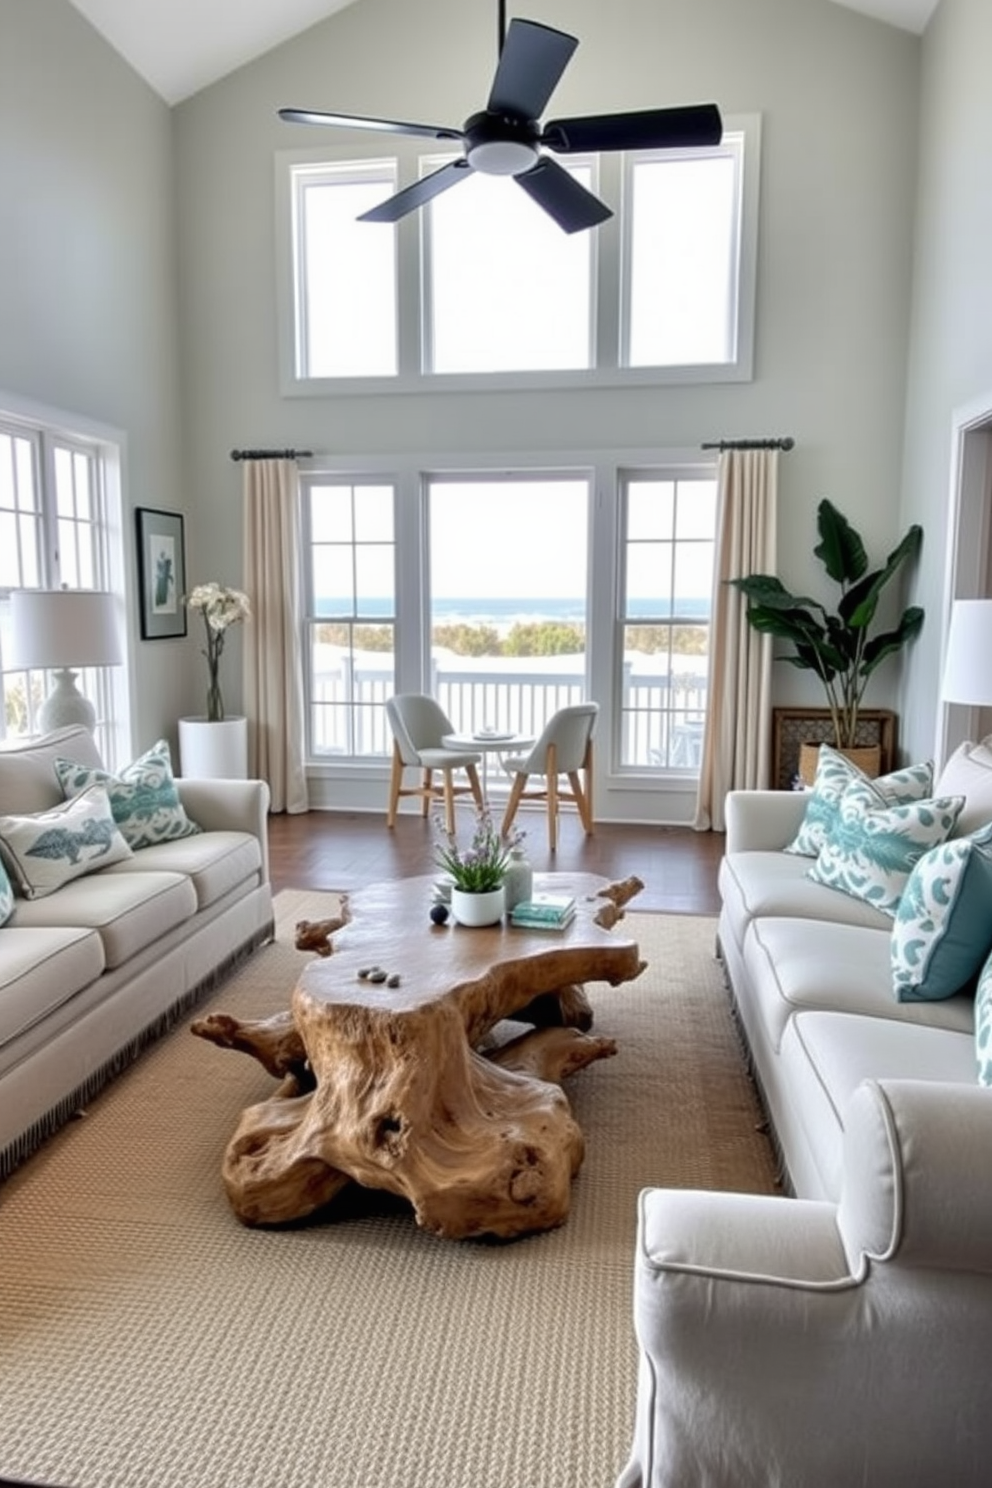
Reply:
x=267, y=454
x=787, y=443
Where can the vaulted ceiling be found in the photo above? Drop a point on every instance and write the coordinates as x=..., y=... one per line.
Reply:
x=181, y=46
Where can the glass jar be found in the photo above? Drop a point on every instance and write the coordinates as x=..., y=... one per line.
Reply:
x=518, y=880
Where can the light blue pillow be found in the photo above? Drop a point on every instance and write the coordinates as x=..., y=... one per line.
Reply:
x=143, y=798
x=983, y=1024
x=6, y=896
x=834, y=773
x=943, y=926
x=873, y=847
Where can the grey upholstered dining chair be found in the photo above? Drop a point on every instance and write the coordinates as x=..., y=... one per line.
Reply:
x=419, y=724
x=564, y=748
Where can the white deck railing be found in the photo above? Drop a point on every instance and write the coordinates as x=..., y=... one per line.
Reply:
x=661, y=714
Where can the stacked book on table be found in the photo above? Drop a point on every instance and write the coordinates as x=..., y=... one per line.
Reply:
x=544, y=912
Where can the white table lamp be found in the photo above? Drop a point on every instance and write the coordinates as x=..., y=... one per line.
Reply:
x=968, y=660
x=58, y=629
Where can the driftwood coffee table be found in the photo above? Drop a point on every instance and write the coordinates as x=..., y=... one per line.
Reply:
x=397, y=1087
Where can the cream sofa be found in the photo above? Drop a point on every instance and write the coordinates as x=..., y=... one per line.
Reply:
x=91, y=972
x=839, y=1336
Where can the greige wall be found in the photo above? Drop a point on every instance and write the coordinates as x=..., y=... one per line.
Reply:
x=88, y=272
x=838, y=95
x=950, y=363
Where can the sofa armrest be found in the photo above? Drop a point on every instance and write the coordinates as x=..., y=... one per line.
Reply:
x=229, y=806
x=914, y=1190
x=763, y=820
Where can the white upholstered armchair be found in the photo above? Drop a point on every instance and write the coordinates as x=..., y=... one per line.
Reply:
x=789, y=1343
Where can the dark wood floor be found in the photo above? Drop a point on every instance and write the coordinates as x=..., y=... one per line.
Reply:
x=346, y=850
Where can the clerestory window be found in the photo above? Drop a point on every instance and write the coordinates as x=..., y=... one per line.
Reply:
x=481, y=285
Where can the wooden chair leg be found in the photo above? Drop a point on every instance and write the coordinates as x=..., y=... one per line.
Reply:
x=473, y=780
x=449, y=803
x=395, y=781
x=581, y=801
x=428, y=792
x=552, y=782
x=516, y=791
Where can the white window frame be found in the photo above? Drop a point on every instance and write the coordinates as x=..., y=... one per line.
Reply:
x=606, y=470
x=609, y=292
x=48, y=429
x=680, y=475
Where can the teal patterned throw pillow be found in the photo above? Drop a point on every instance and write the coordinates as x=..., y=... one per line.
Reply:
x=943, y=926
x=983, y=1024
x=834, y=773
x=143, y=798
x=6, y=896
x=873, y=847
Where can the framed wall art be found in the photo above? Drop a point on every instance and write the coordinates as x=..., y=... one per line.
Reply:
x=161, y=573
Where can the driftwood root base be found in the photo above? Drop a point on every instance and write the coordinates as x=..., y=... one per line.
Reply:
x=387, y=1088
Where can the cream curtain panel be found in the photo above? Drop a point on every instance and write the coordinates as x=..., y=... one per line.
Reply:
x=737, y=734
x=273, y=665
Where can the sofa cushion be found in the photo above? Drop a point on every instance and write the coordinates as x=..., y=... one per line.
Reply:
x=873, y=847
x=28, y=781
x=40, y=969
x=834, y=773
x=129, y=911
x=943, y=926
x=215, y=862
x=45, y=851
x=143, y=797
x=825, y=1056
x=968, y=773
x=983, y=1024
x=797, y=965
x=755, y=884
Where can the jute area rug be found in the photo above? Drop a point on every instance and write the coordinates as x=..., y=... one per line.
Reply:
x=147, y=1339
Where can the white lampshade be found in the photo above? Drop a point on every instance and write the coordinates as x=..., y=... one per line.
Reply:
x=60, y=629
x=968, y=661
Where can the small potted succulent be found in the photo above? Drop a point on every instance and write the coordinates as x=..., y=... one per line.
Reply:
x=477, y=874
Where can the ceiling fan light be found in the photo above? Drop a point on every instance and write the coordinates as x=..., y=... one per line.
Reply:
x=502, y=157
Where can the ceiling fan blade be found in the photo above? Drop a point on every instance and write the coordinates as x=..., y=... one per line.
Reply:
x=562, y=196
x=385, y=126
x=694, y=126
x=417, y=195
x=531, y=62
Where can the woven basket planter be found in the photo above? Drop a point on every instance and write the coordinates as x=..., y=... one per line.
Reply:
x=867, y=757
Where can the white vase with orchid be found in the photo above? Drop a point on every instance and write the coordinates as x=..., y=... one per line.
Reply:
x=221, y=608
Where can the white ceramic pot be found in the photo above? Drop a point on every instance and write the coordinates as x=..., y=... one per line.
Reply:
x=477, y=909
x=213, y=750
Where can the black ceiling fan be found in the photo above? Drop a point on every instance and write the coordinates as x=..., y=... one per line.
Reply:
x=507, y=139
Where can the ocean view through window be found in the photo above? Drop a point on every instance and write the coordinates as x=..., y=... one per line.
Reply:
x=507, y=596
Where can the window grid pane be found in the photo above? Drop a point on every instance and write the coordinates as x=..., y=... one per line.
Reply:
x=665, y=622
x=346, y=279
x=351, y=623
x=508, y=290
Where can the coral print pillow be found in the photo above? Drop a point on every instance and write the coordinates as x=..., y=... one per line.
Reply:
x=834, y=773
x=45, y=851
x=143, y=798
x=873, y=847
x=983, y=1024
